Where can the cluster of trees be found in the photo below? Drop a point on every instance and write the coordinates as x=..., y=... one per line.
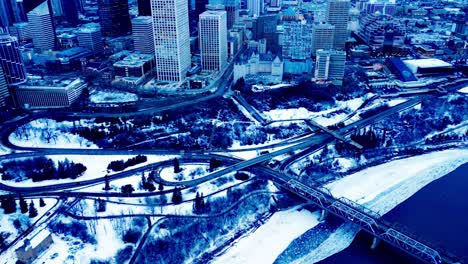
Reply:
x=215, y=163
x=146, y=184
x=199, y=204
x=177, y=195
x=8, y=204
x=40, y=169
x=100, y=205
x=369, y=138
x=120, y=165
x=74, y=229
x=192, y=237
x=127, y=189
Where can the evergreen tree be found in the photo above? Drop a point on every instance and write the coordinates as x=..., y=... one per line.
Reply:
x=177, y=196
x=23, y=204
x=106, y=181
x=101, y=205
x=32, y=210
x=10, y=205
x=176, y=166
x=41, y=202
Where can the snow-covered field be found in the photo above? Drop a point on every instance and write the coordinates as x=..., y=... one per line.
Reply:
x=96, y=167
x=269, y=240
x=100, y=97
x=46, y=133
x=325, y=118
x=189, y=172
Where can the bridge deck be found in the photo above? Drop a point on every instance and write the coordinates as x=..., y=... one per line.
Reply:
x=333, y=133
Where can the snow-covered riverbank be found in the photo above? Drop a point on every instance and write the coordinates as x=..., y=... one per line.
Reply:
x=380, y=188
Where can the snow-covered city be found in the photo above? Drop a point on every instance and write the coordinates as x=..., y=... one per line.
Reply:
x=233, y=131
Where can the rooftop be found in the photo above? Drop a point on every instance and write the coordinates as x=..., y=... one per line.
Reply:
x=89, y=28
x=50, y=82
x=426, y=63
x=40, y=10
x=135, y=60
x=142, y=19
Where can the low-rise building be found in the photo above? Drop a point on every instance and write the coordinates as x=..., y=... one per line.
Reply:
x=47, y=92
x=264, y=66
x=32, y=248
x=134, y=68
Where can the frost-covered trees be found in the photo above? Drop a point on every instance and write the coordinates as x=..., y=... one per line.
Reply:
x=177, y=195
x=32, y=209
x=23, y=204
x=8, y=204
x=176, y=164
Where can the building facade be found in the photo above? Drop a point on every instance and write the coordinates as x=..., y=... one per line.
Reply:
x=11, y=61
x=39, y=93
x=265, y=68
x=338, y=16
x=213, y=40
x=142, y=32
x=90, y=37
x=322, y=36
x=4, y=94
x=144, y=7
x=41, y=28
x=171, y=39
x=114, y=17
x=330, y=65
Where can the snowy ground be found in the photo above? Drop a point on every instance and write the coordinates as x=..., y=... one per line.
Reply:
x=6, y=220
x=108, y=234
x=6, y=225
x=268, y=241
x=100, y=97
x=325, y=118
x=383, y=187
x=46, y=133
x=463, y=90
x=189, y=172
x=96, y=167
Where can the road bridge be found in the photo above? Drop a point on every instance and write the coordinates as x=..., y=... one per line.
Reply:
x=334, y=134
x=368, y=220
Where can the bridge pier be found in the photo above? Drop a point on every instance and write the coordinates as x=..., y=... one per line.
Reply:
x=323, y=215
x=375, y=243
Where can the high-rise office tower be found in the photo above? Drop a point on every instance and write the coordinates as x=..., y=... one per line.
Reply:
x=3, y=89
x=322, y=36
x=213, y=40
x=90, y=37
x=41, y=28
x=57, y=9
x=255, y=7
x=338, y=15
x=330, y=65
x=70, y=11
x=10, y=60
x=144, y=7
x=297, y=40
x=114, y=17
x=142, y=32
x=171, y=39
x=232, y=10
